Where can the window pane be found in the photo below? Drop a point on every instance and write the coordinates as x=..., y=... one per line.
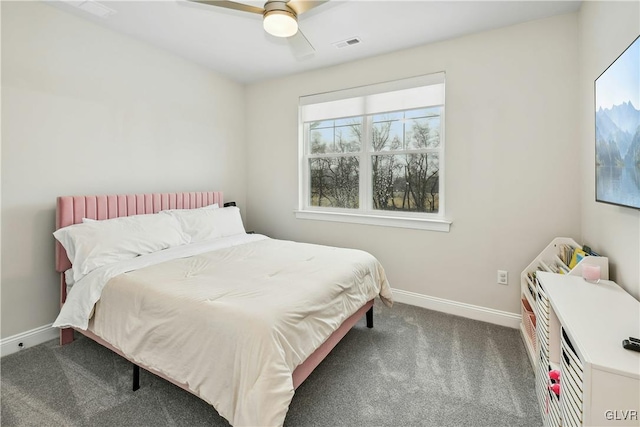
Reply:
x=387, y=133
x=335, y=136
x=406, y=130
x=423, y=132
x=407, y=182
x=334, y=182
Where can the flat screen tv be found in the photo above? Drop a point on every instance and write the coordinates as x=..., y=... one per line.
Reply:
x=617, y=96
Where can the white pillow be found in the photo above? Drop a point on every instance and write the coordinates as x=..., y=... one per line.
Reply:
x=213, y=206
x=94, y=244
x=229, y=221
x=201, y=224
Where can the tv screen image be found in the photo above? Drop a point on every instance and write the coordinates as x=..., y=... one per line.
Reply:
x=617, y=96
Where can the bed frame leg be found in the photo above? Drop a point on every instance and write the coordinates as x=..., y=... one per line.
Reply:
x=66, y=336
x=136, y=377
x=370, y=318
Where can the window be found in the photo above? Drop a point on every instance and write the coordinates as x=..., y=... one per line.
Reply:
x=375, y=154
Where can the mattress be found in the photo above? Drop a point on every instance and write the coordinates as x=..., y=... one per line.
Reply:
x=234, y=322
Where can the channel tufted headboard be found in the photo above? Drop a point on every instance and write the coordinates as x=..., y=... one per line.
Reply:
x=71, y=209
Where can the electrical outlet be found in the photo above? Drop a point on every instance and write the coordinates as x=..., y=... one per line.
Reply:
x=503, y=277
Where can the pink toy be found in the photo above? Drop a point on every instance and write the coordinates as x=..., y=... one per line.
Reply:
x=554, y=375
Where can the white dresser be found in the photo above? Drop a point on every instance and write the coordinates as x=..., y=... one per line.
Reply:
x=580, y=328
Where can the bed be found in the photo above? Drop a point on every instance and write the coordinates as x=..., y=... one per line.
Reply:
x=240, y=320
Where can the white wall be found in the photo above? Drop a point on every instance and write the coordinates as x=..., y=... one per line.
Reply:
x=511, y=167
x=85, y=110
x=89, y=111
x=606, y=29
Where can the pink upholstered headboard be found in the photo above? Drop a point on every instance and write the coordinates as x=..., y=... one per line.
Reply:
x=71, y=209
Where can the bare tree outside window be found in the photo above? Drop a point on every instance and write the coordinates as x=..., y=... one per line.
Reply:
x=403, y=151
x=335, y=167
x=406, y=182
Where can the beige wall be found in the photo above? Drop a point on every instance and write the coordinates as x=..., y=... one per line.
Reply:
x=512, y=158
x=85, y=110
x=606, y=29
x=88, y=111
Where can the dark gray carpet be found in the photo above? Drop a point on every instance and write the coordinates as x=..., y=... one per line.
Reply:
x=416, y=367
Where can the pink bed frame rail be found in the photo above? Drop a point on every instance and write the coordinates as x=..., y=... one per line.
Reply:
x=71, y=209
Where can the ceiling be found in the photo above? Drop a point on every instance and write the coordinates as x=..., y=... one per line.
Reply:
x=234, y=43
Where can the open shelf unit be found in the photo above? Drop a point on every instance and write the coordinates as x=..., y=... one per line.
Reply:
x=549, y=260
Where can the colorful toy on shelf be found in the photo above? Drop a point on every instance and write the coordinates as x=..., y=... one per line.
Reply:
x=554, y=378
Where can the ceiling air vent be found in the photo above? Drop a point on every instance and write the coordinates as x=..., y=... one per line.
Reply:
x=349, y=42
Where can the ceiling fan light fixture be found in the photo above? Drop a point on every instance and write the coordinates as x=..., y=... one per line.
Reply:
x=280, y=23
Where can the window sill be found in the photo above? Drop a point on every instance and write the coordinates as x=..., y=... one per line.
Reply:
x=386, y=221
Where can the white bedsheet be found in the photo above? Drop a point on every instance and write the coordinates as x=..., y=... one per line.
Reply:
x=84, y=293
x=233, y=323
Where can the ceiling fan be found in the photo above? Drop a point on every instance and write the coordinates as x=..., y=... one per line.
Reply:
x=279, y=18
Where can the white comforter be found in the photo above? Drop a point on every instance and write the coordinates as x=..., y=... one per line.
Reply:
x=232, y=323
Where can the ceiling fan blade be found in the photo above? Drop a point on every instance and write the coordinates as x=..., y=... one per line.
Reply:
x=300, y=45
x=301, y=6
x=231, y=5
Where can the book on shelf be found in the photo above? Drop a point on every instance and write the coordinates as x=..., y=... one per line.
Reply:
x=570, y=256
x=565, y=253
x=589, y=252
x=543, y=266
x=553, y=267
x=562, y=268
x=578, y=255
x=532, y=282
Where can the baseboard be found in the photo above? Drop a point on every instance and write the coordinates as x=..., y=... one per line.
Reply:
x=498, y=317
x=28, y=339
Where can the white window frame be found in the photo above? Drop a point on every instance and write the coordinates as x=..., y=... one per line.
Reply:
x=365, y=214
